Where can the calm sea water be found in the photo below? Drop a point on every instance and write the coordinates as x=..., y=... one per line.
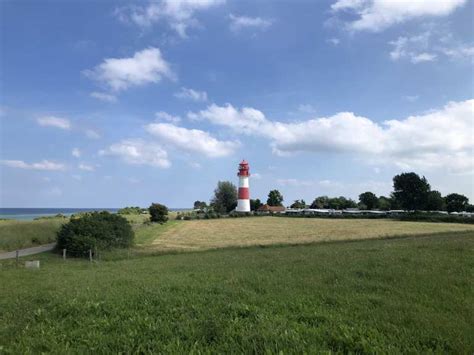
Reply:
x=32, y=213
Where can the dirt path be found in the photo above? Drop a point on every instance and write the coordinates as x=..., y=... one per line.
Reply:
x=28, y=251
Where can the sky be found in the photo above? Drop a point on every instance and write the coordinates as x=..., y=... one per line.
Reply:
x=118, y=103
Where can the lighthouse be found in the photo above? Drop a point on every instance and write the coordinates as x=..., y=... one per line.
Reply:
x=243, y=203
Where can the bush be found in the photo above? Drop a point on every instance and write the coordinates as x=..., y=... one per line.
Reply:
x=130, y=210
x=101, y=230
x=158, y=213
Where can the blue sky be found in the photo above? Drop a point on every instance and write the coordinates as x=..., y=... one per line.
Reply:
x=114, y=103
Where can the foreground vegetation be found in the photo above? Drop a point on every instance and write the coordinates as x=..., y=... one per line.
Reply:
x=393, y=295
x=16, y=234
x=23, y=234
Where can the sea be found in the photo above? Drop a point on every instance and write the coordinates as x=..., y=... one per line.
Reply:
x=28, y=214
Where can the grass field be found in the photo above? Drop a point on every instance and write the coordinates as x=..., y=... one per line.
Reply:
x=231, y=232
x=23, y=234
x=411, y=295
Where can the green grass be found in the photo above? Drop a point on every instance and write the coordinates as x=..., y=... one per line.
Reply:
x=410, y=294
x=23, y=234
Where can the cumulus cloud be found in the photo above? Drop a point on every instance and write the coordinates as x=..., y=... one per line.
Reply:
x=238, y=23
x=190, y=94
x=42, y=165
x=178, y=14
x=192, y=140
x=139, y=152
x=438, y=139
x=376, y=15
x=52, y=121
x=102, y=96
x=145, y=67
x=161, y=115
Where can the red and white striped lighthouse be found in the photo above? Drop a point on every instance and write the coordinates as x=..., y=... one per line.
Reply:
x=243, y=203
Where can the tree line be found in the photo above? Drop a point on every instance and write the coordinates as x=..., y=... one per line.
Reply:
x=410, y=192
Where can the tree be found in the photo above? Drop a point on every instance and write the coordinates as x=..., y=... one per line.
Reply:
x=435, y=201
x=158, y=213
x=275, y=198
x=94, y=230
x=255, y=204
x=340, y=203
x=456, y=202
x=320, y=202
x=200, y=205
x=225, y=197
x=384, y=203
x=369, y=199
x=411, y=191
x=299, y=204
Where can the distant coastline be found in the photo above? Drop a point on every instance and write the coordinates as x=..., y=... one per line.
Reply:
x=28, y=214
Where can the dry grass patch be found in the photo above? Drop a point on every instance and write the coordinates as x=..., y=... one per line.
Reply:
x=220, y=233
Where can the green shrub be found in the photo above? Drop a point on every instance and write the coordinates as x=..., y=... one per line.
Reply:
x=130, y=210
x=96, y=230
x=158, y=213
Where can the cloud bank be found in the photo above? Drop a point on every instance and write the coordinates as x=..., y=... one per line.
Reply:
x=441, y=138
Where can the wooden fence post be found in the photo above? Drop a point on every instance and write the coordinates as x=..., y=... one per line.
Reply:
x=90, y=255
x=17, y=257
x=64, y=254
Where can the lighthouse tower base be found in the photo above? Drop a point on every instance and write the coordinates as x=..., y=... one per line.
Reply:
x=243, y=206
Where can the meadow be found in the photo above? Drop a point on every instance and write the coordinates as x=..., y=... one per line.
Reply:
x=234, y=232
x=23, y=234
x=411, y=294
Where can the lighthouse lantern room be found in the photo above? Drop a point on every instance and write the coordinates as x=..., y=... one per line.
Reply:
x=243, y=202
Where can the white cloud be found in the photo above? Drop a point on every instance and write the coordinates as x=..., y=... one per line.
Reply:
x=52, y=121
x=86, y=167
x=238, y=23
x=192, y=140
x=429, y=46
x=459, y=52
x=439, y=139
x=423, y=57
x=179, y=14
x=102, y=96
x=76, y=153
x=42, y=165
x=190, y=94
x=145, y=67
x=334, y=41
x=139, y=152
x=376, y=15
x=161, y=115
